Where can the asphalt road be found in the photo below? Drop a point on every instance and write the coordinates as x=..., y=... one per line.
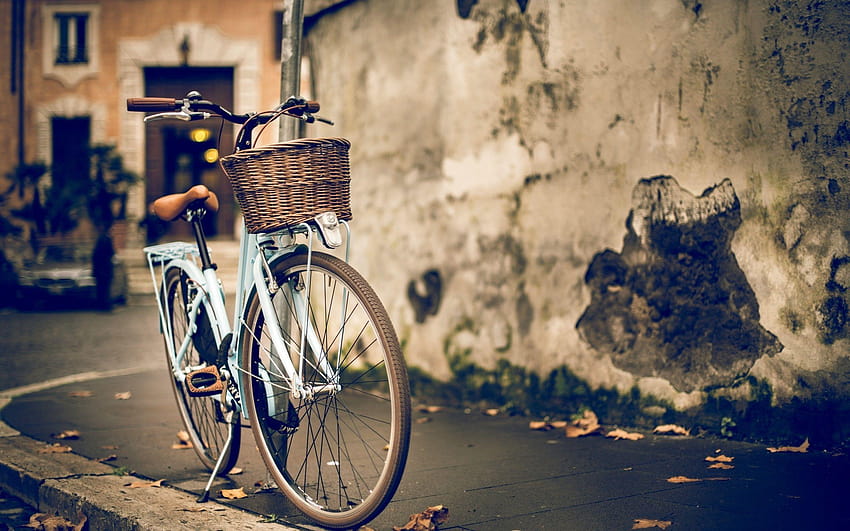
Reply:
x=493, y=473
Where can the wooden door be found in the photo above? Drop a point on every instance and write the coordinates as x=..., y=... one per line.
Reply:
x=182, y=154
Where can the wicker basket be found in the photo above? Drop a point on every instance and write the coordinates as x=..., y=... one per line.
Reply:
x=288, y=183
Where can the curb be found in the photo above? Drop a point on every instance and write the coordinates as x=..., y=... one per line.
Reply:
x=69, y=485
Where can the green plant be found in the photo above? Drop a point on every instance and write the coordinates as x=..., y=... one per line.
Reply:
x=727, y=426
x=109, y=183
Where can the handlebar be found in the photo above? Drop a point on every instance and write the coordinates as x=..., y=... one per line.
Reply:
x=194, y=107
x=154, y=104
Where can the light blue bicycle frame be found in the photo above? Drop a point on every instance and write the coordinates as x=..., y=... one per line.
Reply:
x=253, y=272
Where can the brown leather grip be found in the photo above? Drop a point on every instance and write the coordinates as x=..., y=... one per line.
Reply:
x=153, y=104
x=312, y=106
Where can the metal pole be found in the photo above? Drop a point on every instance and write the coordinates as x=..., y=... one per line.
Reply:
x=290, y=61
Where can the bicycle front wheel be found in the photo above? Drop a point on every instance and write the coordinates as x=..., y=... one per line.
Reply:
x=205, y=418
x=338, y=445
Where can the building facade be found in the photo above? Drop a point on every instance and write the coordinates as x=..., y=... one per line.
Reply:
x=72, y=64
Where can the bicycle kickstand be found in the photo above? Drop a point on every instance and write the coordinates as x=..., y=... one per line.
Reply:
x=205, y=496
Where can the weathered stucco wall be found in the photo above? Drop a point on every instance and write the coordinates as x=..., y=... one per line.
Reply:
x=647, y=197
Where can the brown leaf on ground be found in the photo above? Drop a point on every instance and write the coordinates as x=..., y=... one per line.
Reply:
x=234, y=494
x=540, y=425
x=588, y=424
x=80, y=394
x=428, y=520
x=719, y=459
x=67, y=434
x=721, y=466
x=685, y=479
x=55, y=448
x=423, y=420
x=46, y=522
x=671, y=429
x=235, y=471
x=802, y=449
x=682, y=479
x=429, y=409
x=645, y=523
x=492, y=412
x=144, y=484
x=112, y=457
x=623, y=434
x=546, y=425
x=109, y=447
x=184, y=442
x=123, y=396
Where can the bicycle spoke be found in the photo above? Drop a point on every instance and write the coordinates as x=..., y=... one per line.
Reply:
x=338, y=449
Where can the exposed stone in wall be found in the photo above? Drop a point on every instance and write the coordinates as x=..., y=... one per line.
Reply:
x=674, y=303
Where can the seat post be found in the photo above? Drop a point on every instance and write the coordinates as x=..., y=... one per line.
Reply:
x=195, y=218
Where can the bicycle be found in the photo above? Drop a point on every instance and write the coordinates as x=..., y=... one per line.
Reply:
x=313, y=362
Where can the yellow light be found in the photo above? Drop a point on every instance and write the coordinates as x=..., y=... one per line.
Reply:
x=199, y=135
x=211, y=155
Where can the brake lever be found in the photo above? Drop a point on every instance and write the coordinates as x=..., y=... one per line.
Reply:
x=310, y=118
x=180, y=115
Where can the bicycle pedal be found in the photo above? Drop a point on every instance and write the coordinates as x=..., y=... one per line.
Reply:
x=204, y=382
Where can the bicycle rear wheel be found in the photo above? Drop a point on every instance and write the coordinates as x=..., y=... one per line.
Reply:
x=205, y=418
x=339, y=454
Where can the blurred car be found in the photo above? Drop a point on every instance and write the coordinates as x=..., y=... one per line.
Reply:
x=61, y=275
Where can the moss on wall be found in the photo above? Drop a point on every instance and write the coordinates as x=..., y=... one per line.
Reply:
x=745, y=414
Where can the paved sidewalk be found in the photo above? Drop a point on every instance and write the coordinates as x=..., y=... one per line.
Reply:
x=493, y=473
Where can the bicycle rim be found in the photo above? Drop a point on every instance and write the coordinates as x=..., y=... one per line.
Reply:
x=202, y=416
x=338, y=455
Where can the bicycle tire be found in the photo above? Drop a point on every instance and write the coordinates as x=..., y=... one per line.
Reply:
x=202, y=417
x=338, y=456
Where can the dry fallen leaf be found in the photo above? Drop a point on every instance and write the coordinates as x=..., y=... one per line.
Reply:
x=429, y=409
x=719, y=459
x=109, y=447
x=492, y=412
x=80, y=394
x=145, y=484
x=67, y=434
x=235, y=471
x=546, y=425
x=671, y=429
x=539, y=425
x=645, y=523
x=46, y=522
x=721, y=466
x=623, y=434
x=423, y=420
x=112, y=457
x=233, y=494
x=802, y=449
x=428, y=520
x=588, y=424
x=123, y=396
x=682, y=479
x=184, y=441
x=55, y=448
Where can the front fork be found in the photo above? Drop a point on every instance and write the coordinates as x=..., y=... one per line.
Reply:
x=298, y=290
